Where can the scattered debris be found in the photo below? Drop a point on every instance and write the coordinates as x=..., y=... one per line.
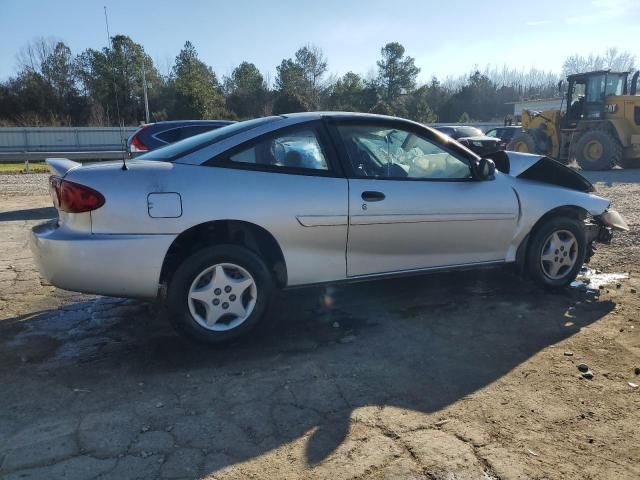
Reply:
x=531, y=452
x=568, y=354
x=588, y=375
x=594, y=280
x=636, y=370
x=633, y=290
x=583, y=367
x=159, y=405
x=145, y=428
x=440, y=423
x=632, y=385
x=81, y=390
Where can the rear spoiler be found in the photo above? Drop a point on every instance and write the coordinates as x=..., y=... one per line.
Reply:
x=60, y=166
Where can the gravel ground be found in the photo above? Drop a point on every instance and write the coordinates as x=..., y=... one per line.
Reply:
x=24, y=184
x=452, y=376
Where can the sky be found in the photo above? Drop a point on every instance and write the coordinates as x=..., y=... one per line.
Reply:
x=447, y=38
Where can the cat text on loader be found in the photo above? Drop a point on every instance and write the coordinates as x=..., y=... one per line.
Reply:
x=600, y=126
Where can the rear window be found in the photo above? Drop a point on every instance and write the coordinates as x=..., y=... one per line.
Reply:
x=180, y=133
x=180, y=148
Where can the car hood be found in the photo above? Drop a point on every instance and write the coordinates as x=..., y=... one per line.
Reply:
x=541, y=169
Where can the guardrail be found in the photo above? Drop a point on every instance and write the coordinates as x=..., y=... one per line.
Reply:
x=82, y=143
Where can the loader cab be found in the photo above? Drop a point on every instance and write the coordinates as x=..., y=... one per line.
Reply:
x=587, y=93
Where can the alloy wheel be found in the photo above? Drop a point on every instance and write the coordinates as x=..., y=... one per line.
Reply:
x=222, y=297
x=559, y=254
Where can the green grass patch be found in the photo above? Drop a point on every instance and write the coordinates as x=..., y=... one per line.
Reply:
x=18, y=167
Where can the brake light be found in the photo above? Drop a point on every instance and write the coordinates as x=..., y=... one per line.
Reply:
x=137, y=145
x=72, y=197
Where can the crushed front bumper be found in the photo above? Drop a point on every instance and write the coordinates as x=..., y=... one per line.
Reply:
x=601, y=229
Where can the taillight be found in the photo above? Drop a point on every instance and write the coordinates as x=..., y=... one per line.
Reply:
x=137, y=145
x=72, y=197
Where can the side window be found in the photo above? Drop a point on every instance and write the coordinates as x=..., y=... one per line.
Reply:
x=492, y=133
x=299, y=149
x=382, y=152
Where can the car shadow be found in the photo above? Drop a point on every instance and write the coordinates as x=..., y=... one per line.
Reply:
x=44, y=213
x=419, y=343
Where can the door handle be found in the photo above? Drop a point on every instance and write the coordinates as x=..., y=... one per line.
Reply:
x=373, y=196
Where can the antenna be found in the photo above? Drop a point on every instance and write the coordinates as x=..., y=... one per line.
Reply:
x=115, y=93
x=144, y=89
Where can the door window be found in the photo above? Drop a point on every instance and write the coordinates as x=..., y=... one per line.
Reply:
x=299, y=149
x=384, y=152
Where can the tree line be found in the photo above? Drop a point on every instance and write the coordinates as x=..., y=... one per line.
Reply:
x=54, y=87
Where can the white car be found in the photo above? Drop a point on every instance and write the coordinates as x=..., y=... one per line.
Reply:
x=212, y=224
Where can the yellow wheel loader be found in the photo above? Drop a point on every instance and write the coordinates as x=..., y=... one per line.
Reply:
x=600, y=126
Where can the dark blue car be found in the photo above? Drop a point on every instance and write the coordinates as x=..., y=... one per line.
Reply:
x=156, y=135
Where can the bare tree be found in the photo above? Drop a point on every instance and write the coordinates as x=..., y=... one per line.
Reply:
x=612, y=58
x=32, y=56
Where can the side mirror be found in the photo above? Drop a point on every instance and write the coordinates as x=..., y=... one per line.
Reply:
x=486, y=169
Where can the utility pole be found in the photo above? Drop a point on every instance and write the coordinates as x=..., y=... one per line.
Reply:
x=144, y=89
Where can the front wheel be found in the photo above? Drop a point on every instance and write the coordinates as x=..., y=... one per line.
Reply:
x=522, y=142
x=557, y=251
x=597, y=150
x=219, y=293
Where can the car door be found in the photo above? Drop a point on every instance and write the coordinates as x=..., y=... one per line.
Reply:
x=414, y=204
x=289, y=182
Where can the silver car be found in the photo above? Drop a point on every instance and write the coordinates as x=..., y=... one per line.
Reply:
x=211, y=225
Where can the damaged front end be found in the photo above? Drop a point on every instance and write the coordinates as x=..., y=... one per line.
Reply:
x=600, y=230
x=540, y=169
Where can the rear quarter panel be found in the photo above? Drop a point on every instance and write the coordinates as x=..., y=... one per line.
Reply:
x=274, y=201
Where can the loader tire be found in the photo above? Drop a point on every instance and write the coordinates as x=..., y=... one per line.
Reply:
x=522, y=142
x=597, y=150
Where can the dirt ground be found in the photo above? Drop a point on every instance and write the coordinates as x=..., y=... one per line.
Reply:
x=448, y=376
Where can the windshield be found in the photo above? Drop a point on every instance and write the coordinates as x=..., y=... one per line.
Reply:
x=468, y=132
x=615, y=84
x=176, y=150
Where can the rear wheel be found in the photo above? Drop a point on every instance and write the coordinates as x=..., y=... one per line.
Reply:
x=522, y=142
x=219, y=293
x=556, y=252
x=597, y=150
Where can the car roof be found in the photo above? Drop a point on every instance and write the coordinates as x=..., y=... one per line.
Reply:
x=187, y=122
x=309, y=116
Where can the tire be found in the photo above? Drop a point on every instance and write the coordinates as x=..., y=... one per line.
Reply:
x=545, y=253
x=227, y=280
x=597, y=150
x=522, y=142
